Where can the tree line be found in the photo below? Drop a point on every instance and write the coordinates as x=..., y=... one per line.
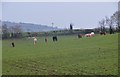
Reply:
x=111, y=24
x=11, y=31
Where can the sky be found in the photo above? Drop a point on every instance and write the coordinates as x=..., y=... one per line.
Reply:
x=59, y=0
x=80, y=14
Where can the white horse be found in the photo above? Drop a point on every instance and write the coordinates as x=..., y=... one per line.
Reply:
x=87, y=35
x=92, y=34
x=35, y=40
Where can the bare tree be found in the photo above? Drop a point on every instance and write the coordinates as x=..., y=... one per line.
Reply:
x=4, y=31
x=118, y=20
x=109, y=23
x=102, y=25
x=17, y=29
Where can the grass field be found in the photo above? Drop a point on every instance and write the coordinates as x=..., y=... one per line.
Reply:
x=0, y=57
x=69, y=56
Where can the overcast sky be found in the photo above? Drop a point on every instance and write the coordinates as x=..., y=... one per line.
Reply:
x=81, y=14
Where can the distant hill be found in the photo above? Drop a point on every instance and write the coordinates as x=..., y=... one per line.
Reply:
x=30, y=27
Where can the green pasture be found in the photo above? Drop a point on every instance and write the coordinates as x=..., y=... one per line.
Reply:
x=68, y=56
x=0, y=57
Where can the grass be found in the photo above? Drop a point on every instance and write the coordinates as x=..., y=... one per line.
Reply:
x=68, y=56
x=0, y=57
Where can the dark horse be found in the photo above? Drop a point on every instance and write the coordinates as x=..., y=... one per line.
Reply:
x=79, y=36
x=13, y=45
x=102, y=33
x=55, y=38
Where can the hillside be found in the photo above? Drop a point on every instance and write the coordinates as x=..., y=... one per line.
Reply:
x=30, y=27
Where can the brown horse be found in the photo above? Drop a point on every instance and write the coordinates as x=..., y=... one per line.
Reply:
x=102, y=33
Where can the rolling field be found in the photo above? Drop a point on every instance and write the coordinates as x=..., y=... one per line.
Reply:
x=69, y=56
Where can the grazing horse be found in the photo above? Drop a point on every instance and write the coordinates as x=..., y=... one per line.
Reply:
x=12, y=44
x=79, y=35
x=46, y=39
x=54, y=38
x=35, y=40
x=87, y=35
x=92, y=34
x=102, y=33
